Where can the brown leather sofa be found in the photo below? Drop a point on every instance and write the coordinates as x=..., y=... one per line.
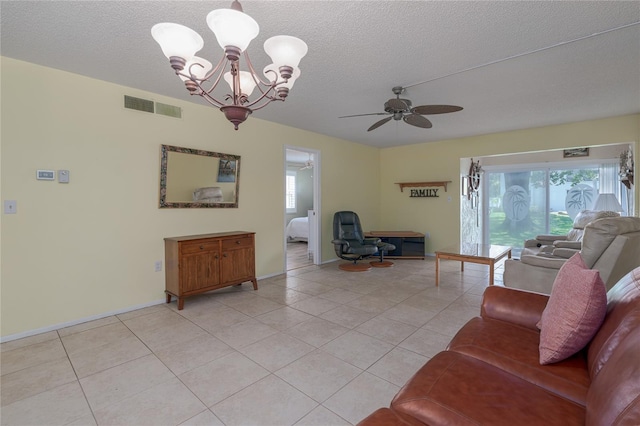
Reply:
x=490, y=374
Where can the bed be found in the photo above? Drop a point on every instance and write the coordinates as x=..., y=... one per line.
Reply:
x=298, y=229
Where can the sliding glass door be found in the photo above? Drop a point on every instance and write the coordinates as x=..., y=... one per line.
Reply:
x=530, y=200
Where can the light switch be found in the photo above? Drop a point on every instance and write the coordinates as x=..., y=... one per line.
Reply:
x=10, y=206
x=63, y=176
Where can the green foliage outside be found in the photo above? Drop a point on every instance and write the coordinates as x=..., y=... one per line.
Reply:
x=559, y=223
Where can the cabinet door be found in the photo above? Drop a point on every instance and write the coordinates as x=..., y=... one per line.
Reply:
x=238, y=260
x=200, y=270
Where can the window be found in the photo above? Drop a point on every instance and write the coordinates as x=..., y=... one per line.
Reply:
x=290, y=192
x=524, y=201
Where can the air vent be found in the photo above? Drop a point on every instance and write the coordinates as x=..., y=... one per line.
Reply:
x=168, y=110
x=138, y=104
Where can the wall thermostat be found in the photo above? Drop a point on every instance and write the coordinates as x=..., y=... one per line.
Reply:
x=63, y=176
x=45, y=174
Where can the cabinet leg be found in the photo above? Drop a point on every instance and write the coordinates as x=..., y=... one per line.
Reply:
x=255, y=284
x=168, y=298
x=180, y=303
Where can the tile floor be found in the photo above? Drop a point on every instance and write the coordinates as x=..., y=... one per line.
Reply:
x=298, y=255
x=317, y=346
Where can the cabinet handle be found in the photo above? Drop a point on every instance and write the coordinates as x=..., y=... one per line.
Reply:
x=224, y=255
x=201, y=247
x=237, y=241
x=216, y=257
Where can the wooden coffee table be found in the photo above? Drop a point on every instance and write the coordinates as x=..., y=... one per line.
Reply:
x=474, y=253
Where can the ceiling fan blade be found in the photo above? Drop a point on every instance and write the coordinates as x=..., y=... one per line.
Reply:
x=362, y=115
x=417, y=120
x=398, y=104
x=435, y=109
x=379, y=123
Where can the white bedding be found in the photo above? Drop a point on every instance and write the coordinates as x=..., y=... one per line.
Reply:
x=298, y=229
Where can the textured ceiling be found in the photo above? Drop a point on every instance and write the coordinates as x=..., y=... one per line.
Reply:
x=359, y=50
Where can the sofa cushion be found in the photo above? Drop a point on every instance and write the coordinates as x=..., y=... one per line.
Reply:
x=456, y=389
x=602, y=232
x=574, y=313
x=584, y=218
x=515, y=349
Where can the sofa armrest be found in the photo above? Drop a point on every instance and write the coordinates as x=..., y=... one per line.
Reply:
x=575, y=245
x=544, y=260
x=549, y=239
x=532, y=243
x=565, y=253
x=516, y=306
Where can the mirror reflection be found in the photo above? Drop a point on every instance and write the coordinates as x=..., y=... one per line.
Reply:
x=192, y=178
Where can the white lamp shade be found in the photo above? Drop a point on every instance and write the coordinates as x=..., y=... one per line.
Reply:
x=247, y=84
x=285, y=50
x=177, y=40
x=273, y=74
x=232, y=28
x=199, y=72
x=607, y=202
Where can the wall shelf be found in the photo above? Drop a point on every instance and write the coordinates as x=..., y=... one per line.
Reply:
x=422, y=184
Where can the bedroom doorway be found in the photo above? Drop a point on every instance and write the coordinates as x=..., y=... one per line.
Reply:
x=302, y=202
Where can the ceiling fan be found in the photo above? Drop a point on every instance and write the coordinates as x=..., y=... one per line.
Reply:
x=308, y=164
x=400, y=109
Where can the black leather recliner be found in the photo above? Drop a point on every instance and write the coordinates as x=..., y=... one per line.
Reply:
x=350, y=243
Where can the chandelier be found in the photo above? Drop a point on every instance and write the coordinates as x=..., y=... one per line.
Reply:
x=234, y=30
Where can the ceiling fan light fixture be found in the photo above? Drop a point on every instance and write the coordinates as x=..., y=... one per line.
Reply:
x=234, y=31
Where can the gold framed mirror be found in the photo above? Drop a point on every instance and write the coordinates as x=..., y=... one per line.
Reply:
x=194, y=178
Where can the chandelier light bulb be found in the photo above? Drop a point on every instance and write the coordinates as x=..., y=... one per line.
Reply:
x=247, y=84
x=232, y=29
x=285, y=51
x=176, y=40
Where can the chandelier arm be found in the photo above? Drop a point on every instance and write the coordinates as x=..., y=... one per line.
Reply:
x=266, y=95
x=270, y=99
x=210, y=99
x=224, y=61
x=256, y=76
x=215, y=83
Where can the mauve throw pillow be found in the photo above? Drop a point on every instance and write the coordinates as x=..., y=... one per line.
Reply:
x=574, y=313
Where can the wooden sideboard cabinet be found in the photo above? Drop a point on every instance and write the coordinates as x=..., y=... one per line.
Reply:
x=196, y=264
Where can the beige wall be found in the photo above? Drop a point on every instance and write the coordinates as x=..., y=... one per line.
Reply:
x=440, y=161
x=87, y=248
x=83, y=249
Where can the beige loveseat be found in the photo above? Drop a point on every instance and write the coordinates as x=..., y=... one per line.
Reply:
x=611, y=245
x=555, y=245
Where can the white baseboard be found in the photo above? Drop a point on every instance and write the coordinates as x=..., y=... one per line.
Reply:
x=76, y=322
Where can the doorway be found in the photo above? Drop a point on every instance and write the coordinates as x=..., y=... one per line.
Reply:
x=302, y=204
